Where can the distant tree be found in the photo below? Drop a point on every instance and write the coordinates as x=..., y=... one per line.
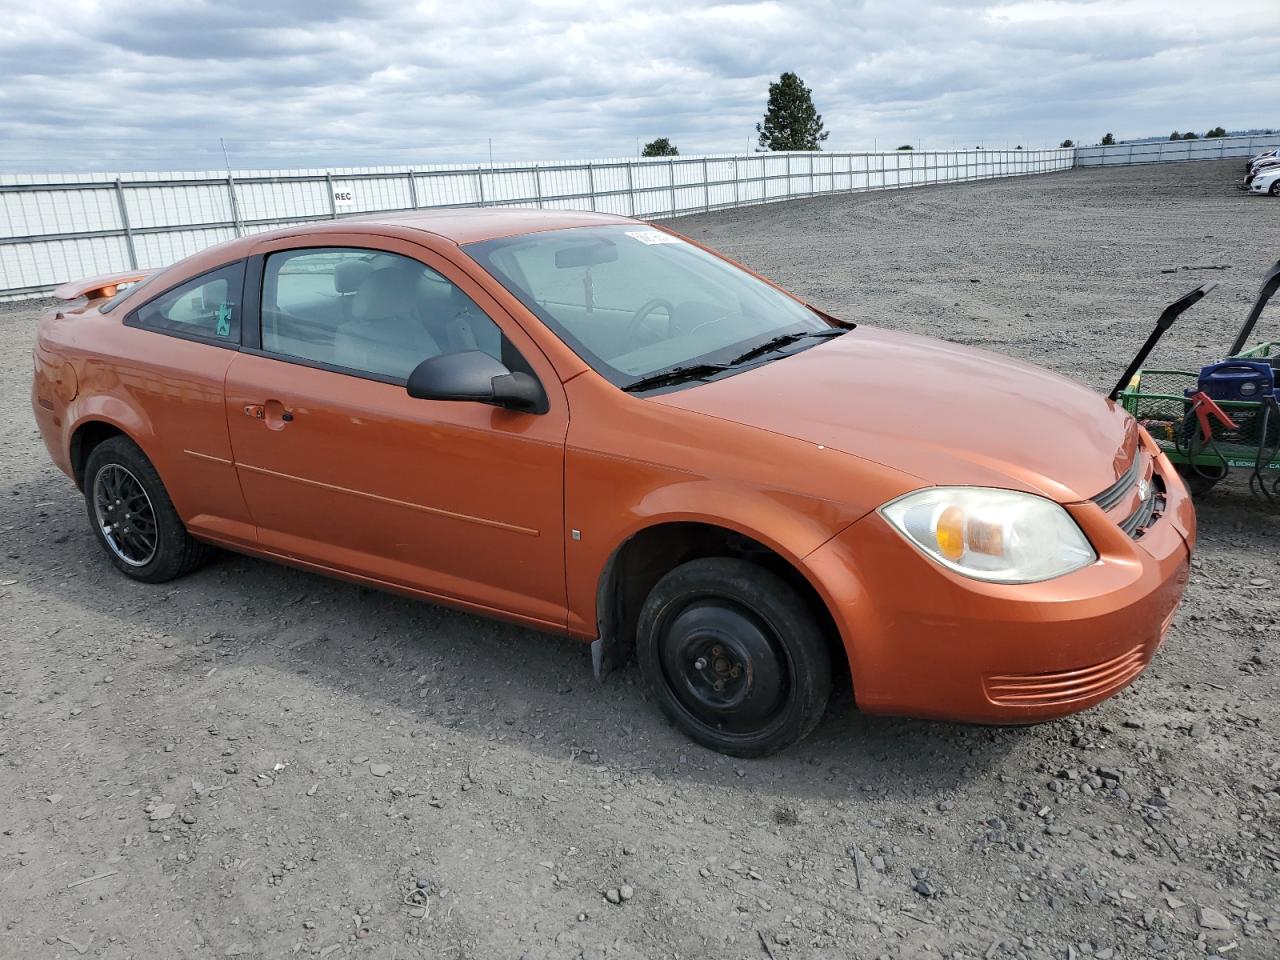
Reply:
x=1215, y=132
x=662, y=147
x=1108, y=140
x=1189, y=136
x=906, y=146
x=791, y=122
x=1175, y=135
x=1068, y=143
x=1018, y=147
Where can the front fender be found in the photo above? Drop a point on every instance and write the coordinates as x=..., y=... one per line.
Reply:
x=789, y=524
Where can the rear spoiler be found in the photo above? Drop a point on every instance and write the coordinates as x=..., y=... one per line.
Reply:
x=95, y=288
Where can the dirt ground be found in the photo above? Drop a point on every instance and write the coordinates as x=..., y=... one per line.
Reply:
x=259, y=762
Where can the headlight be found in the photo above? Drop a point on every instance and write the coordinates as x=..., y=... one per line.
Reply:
x=997, y=535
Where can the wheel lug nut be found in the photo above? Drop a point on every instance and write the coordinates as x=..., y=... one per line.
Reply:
x=716, y=651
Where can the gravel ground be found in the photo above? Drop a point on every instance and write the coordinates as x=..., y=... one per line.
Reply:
x=260, y=762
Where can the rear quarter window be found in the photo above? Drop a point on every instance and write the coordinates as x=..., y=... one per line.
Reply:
x=206, y=307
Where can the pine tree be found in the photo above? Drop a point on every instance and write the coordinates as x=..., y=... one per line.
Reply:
x=662, y=147
x=790, y=120
x=1108, y=140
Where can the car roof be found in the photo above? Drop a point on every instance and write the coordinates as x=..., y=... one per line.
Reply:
x=460, y=224
x=457, y=225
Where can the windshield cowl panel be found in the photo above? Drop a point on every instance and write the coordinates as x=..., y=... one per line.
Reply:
x=641, y=305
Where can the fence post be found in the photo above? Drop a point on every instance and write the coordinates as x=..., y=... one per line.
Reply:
x=413, y=190
x=333, y=203
x=537, y=185
x=124, y=222
x=671, y=169
x=788, y=174
x=235, y=204
x=591, y=185
x=631, y=191
x=480, y=183
x=706, y=187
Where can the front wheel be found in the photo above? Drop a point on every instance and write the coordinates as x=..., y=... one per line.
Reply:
x=1275, y=189
x=734, y=656
x=133, y=517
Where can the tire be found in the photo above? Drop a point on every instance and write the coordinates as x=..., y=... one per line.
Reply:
x=730, y=622
x=133, y=518
x=1275, y=189
x=1200, y=480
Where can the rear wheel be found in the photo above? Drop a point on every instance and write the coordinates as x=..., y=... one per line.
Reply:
x=1275, y=189
x=734, y=656
x=133, y=517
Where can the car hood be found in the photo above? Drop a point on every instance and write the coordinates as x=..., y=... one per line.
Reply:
x=941, y=412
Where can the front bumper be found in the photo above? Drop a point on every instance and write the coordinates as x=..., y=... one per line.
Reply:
x=924, y=641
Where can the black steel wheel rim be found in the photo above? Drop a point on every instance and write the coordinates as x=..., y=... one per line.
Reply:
x=725, y=666
x=125, y=515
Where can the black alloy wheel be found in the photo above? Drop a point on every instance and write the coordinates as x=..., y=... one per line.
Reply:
x=132, y=516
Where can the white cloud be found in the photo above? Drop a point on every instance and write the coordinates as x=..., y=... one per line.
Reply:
x=155, y=83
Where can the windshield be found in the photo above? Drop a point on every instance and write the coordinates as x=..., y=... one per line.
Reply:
x=633, y=301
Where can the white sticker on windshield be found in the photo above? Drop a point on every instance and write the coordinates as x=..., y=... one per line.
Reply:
x=652, y=236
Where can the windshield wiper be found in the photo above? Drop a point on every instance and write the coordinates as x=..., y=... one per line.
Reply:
x=780, y=341
x=694, y=371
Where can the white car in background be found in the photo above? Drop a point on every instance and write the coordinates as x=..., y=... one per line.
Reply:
x=1266, y=180
x=1264, y=155
x=1259, y=167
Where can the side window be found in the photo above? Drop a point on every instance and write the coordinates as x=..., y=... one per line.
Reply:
x=206, y=307
x=368, y=311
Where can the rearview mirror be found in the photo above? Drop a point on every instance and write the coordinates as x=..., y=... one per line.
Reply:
x=477, y=377
x=586, y=255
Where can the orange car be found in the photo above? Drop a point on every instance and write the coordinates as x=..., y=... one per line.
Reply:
x=593, y=425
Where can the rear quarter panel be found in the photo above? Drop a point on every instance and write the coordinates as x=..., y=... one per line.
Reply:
x=164, y=393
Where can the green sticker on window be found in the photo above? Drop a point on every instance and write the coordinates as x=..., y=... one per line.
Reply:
x=224, y=320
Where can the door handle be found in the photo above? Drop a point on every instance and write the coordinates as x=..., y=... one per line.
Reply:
x=276, y=414
x=255, y=410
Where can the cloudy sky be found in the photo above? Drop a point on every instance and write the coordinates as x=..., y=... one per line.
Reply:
x=154, y=84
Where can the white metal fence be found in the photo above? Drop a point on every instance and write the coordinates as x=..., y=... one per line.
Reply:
x=55, y=228
x=1165, y=151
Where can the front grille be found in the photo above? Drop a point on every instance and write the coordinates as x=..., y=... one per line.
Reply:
x=1065, y=686
x=1151, y=507
x=1148, y=511
x=1109, y=497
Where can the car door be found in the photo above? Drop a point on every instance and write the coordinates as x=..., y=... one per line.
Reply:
x=343, y=470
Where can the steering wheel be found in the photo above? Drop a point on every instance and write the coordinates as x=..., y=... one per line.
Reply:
x=641, y=315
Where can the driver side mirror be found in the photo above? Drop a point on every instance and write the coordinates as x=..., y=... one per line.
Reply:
x=475, y=376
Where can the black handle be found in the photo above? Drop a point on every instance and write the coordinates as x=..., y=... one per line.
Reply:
x=1269, y=284
x=1170, y=314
